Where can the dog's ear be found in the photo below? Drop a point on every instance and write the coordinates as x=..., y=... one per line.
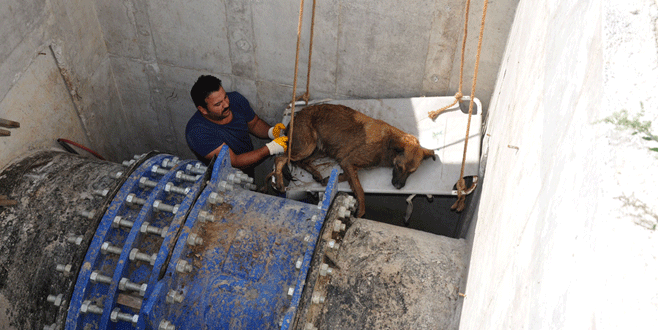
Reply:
x=400, y=143
x=396, y=145
x=427, y=153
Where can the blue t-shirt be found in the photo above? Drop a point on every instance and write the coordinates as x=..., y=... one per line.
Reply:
x=204, y=136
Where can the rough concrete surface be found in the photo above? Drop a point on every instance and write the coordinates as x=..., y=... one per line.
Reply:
x=389, y=277
x=566, y=225
x=40, y=93
x=51, y=188
x=69, y=33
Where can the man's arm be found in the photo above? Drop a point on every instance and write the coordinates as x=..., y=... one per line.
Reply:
x=258, y=127
x=244, y=160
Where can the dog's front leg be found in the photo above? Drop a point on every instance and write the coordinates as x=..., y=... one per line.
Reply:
x=279, y=163
x=352, y=177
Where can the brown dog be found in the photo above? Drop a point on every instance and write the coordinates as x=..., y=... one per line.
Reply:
x=355, y=141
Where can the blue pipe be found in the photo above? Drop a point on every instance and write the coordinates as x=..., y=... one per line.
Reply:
x=248, y=273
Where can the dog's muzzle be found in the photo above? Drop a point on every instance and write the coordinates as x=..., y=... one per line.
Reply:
x=399, y=178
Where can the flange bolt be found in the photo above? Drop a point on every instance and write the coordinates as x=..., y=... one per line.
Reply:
x=298, y=263
x=338, y=226
x=108, y=248
x=194, y=239
x=195, y=169
x=326, y=270
x=66, y=269
x=170, y=187
x=146, y=228
x=77, y=240
x=96, y=277
x=101, y=192
x=180, y=175
x=157, y=170
x=333, y=245
x=166, y=325
x=214, y=198
x=88, y=307
x=132, y=199
x=87, y=214
x=224, y=186
x=144, y=182
x=158, y=205
x=343, y=212
x=136, y=255
x=120, y=222
x=55, y=300
x=125, y=284
x=206, y=216
x=116, y=316
x=174, y=296
x=183, y=267
x=170, y=162
x=310, y=326
x=317, y=298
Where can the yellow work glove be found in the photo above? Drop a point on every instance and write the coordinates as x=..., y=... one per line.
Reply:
x=276, y=131
x=278, y=145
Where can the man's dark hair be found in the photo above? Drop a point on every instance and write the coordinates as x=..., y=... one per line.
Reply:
x=203, y=87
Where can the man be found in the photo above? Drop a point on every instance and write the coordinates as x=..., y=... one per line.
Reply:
x=227, y=119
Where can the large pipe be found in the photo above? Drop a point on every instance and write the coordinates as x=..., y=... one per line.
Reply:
x=48, y=227
x=157, y=243
x=163, y=243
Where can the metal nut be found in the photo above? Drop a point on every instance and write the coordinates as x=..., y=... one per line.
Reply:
x=166, y=325
x=55, y=300
x=174, y=296
x=66, y=269
x=317, y=298
x=183, y=267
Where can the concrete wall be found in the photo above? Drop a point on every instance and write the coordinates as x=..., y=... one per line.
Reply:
x=129, y=65
x=361, y=49
x=565, y=233
x=56, y=78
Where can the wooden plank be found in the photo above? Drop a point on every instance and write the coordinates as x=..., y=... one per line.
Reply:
x=129, y=300
x=9, y=123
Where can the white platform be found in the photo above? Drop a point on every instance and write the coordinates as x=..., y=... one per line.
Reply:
x=445, y=135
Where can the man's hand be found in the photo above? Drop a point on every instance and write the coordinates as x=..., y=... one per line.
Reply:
x=278, y=145
x=276, y=130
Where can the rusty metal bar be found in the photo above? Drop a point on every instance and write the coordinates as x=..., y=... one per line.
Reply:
x=9, y=123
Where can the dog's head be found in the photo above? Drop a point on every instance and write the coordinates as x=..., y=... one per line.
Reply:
x=408, y=156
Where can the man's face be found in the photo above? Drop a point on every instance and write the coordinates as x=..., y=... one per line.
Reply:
x=217, y=106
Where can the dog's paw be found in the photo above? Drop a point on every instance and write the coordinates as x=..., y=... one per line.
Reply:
x=275, y=181
x=278, y=186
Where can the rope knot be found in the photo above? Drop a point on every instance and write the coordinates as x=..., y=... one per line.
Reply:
x=459, y=96
x=460, y=204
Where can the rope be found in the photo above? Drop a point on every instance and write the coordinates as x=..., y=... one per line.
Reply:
x=306, y=95
x=294, y=83
x=461, y=185
x=458, y=95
